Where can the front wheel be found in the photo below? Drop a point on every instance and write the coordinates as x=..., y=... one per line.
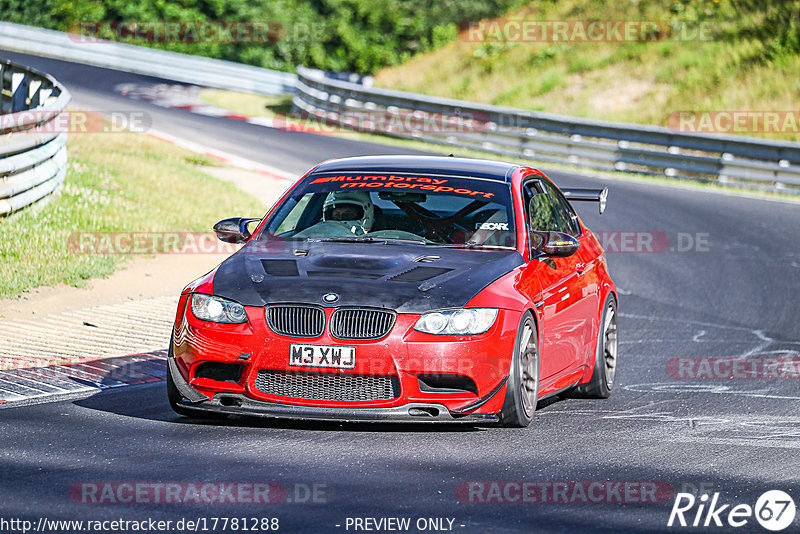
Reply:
x=522, y=391
x=605, y=361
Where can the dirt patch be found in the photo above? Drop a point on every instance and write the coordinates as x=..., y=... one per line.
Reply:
x=621, y=94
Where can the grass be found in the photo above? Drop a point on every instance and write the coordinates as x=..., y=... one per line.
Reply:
x=115, y=183
x=740, y=64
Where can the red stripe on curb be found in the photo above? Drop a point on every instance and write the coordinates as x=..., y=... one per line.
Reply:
x=225, y=114
x=215, y=156
x=101, y=374
x=271, y=175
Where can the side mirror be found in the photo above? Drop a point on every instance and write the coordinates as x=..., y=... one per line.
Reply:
x=556, y=244
x=233, y=230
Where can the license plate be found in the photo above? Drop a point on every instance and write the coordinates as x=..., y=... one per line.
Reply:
x=322, y=356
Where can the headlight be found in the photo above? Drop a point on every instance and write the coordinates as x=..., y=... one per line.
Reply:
x=466, y=321
x=217, y=310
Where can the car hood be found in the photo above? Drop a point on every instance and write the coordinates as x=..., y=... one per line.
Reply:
x=405, y=278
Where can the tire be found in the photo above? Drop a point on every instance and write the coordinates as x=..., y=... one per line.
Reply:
x=522, y=391
x=605, y=359
x=175, y=397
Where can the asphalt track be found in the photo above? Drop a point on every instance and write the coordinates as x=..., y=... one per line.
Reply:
x=734, y=297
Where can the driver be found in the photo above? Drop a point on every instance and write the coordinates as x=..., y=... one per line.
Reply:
x=353, y=209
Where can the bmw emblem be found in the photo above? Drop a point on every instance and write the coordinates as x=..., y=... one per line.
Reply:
x=330, y=298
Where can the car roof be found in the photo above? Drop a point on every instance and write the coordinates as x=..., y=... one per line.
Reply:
x=442, y=165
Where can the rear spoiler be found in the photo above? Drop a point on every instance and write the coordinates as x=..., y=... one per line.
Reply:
x=592, y=195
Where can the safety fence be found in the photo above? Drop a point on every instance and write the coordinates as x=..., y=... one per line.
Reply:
x=613, y=146
x=33, y=151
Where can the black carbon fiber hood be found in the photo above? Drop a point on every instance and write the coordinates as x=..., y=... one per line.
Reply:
x=405, y=278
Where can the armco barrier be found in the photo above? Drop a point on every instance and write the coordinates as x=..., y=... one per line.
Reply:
x=766, y=164
x=615, y=146
x=142, y=60
x=33, y=155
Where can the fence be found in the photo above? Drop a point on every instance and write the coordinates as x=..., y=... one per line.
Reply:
x=33, y=153
x=143, y=60
x=614, y=146
x=751, y=162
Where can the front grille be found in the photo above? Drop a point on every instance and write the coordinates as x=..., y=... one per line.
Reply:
x=361, y=323
x=296, y=321
x=328, y=386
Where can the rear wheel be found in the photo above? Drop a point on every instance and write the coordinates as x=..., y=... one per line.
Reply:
x=605, y=361
x=522, y=391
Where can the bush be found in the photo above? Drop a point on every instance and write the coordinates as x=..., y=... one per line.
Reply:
x=343, y=35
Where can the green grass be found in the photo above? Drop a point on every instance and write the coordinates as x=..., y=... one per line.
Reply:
x=751, y=61
x=115, y=183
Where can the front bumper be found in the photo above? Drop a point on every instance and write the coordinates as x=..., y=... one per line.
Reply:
x=409, y=357
x=239, y=404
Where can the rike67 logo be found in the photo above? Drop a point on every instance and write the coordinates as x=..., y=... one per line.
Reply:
x=774, y=510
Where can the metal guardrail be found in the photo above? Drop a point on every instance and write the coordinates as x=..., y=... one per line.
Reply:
x=614, y=146
x=33, y=154
x=184, y=68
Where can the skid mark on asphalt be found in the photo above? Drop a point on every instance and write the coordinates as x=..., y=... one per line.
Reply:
x=676, y=408
x=728, y=429
x=718, y=389
x=750, y=342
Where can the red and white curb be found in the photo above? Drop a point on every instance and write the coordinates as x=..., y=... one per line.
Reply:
x=84, y=349
x=187, y=97
x=80, y=377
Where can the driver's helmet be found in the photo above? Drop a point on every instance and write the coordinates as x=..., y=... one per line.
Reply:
x=352, y=208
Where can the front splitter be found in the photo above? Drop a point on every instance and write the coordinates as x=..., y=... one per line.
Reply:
x=239, y=404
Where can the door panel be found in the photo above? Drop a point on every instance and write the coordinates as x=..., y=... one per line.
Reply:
x=584, y=285
x=560, y=336
x=555, y=278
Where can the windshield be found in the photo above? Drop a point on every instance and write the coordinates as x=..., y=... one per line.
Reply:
x=430, y=210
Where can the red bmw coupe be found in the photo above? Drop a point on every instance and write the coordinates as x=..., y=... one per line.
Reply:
x=401, y=288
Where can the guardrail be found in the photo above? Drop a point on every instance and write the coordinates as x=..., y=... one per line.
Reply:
x=613, y=146
x=184, y=68
x=33, y=154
